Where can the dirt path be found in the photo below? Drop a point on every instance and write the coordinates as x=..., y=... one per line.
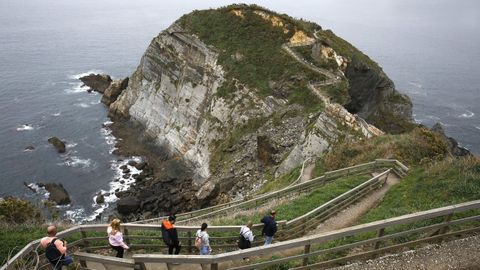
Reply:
x=458, y=254
x=307, y=172
x=350, y=215
x=344, y=219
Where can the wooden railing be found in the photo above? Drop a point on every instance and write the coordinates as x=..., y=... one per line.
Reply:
x=313, y=252
x=398, y=168
x=228, y=234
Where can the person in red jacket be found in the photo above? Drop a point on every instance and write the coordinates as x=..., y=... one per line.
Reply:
x=170, y=235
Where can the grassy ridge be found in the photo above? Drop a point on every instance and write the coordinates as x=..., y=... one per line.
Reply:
x=250, y=51
x=301, y=205
x=439, y=184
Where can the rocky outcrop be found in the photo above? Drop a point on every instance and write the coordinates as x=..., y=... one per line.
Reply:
x=128, y=205
x=58, y=144
x=113, y=91
x=452, y=144
x=97, y=82
x=374, y=98
x=217, y=146
x=58, y=194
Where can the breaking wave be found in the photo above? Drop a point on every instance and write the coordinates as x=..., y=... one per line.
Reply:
x=25, y=127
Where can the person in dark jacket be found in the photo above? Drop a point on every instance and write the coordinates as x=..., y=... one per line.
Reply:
x=269, y=227
x=170, y=235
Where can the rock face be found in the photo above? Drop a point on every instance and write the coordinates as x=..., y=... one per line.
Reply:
x=374, y=98
x=453, y=146
x=58, y=144
x=113, y=91
x=97, y=82
x=58, y=194
x=221, y=146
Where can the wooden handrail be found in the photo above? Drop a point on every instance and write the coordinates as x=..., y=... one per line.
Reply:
x=313, y=239
x=228, y=206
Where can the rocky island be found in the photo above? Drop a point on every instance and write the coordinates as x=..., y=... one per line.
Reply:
x=226, y=100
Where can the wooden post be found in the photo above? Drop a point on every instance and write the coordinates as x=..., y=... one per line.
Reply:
x=306, y=251
x=444, y=229
x=85, y=242
x=189, y=241
x=214, y=266
x=380, y=233
x=125, y=234
x=83, y=263
x=141, y=266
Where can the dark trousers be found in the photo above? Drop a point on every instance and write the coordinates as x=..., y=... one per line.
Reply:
x=176, y=246
x=119, y=250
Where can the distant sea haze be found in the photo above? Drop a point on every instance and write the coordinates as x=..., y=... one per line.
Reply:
x=430, y=49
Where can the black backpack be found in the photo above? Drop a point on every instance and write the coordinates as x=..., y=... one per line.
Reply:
x=243, y=242
x=52, y=253
x=167, y=238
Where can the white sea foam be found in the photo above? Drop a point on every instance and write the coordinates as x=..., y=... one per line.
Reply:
x=416, y=84
x=109, y=196
x=82, y=105
x=71, y=145
x=467, y=114
x=38, y=189
x=78, y=162
x=56, y=114
x=78, y=76
x=77, y=87
x=477, y=127
x=25, y=127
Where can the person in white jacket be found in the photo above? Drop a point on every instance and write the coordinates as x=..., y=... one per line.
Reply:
x=115, y=238
x=246, y=235
x=203, y=239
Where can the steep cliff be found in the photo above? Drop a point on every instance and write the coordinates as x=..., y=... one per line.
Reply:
x=225, y=93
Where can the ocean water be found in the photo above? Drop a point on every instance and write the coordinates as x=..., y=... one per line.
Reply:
x=430, y=49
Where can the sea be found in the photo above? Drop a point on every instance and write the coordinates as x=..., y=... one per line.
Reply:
x=429, y=48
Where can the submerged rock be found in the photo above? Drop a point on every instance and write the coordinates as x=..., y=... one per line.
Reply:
x=58, y=144
x=58, y=194
x=98, y=82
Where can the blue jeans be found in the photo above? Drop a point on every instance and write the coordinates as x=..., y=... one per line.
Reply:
x=65, y=261
x=205, y=250
x=268, y=240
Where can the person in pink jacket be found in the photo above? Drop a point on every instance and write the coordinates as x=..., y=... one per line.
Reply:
x=115, y=238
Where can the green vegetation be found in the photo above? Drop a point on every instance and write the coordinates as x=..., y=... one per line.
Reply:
x=18, y=211
x=250, y=50
x=303, y=204
x=281, y=182
x=338, y=92
x=15, y=237
x=418, y=146
x=439, y=184
x=346, y=49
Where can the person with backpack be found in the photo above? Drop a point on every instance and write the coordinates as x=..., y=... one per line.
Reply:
x=269, y=227
x=170, y=235
x=202, y=241
x=55, y=249
x=115, y=238
x=245, y=239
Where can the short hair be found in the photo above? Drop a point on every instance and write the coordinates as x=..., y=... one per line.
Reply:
x=172, y=218
x=250, y=224
x=204, y=226
x=52, y=230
